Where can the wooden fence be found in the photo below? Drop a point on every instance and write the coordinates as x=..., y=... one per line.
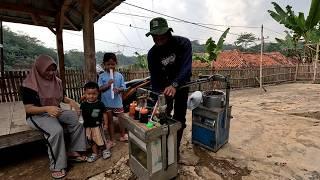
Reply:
x=10, y=81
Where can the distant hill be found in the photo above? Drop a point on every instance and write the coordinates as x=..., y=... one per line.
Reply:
x=123, y=60
x=20, y=51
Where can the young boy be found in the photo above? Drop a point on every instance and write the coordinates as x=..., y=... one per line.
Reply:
x=93, y=113
x=112, y=88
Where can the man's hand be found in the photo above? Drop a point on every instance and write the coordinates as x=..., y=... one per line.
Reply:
x=170, y=91
x=53, y=111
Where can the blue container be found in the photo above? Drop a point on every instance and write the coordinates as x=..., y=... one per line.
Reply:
x=210, y=127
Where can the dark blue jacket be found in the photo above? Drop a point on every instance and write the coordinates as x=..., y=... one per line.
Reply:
x=170, y=63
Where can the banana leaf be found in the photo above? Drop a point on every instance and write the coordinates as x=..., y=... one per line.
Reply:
x=314, y=14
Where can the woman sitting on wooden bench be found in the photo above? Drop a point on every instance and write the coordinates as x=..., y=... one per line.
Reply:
x=42, y=94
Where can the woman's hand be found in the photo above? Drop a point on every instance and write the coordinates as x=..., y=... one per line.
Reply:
x=53, y=111
x=74, y=105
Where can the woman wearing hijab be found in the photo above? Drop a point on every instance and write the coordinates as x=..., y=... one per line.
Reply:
x=42, y=94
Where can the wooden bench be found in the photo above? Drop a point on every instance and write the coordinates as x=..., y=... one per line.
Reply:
x=13, y=127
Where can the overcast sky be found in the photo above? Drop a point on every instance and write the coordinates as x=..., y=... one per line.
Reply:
x=115, y=27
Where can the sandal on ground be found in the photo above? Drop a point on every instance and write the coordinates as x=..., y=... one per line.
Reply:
x=124, y=138
x=58, y=174
x=110, y=144
x=106, y=154
x=77, y=158
x=93, y=157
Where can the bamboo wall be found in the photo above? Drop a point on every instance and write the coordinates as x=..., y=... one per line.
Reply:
x=10, y=82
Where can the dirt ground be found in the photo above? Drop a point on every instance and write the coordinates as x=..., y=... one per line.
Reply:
x=273, y=135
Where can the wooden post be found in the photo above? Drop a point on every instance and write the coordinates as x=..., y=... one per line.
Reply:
x=315, y=69
x=296, y=74
x=1, y=48
x=2, y=80
x=59, y=27
x=261, y=56
x=88, y=41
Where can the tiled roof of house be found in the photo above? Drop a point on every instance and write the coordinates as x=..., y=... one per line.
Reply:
x=199, y=64
x=236, y=59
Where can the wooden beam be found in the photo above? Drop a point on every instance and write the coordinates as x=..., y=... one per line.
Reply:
x=67, y=4
x=111, y=6
x=95, y=11
x=59, y=40
x=68, y=20
x=52, y=30
x=74, y=10
x=42, y=22
x=16, y=20
x=26, y=9
x=35, y=20
x=25, y=21
x=88, y=41
x=64, y=8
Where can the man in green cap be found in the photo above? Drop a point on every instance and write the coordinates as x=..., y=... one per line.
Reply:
x=169, y=63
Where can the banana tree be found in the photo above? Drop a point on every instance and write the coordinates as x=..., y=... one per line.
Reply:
x=141, y=61
x=212, y=49
x=301, y=27
x=289, y=47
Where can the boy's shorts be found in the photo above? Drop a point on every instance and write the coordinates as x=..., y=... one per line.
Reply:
x=115, y=110
x=96, y=135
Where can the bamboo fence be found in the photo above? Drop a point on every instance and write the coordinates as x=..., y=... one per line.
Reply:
x=10, y=81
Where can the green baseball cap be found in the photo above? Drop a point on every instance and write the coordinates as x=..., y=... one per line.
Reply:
x=158, y=26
